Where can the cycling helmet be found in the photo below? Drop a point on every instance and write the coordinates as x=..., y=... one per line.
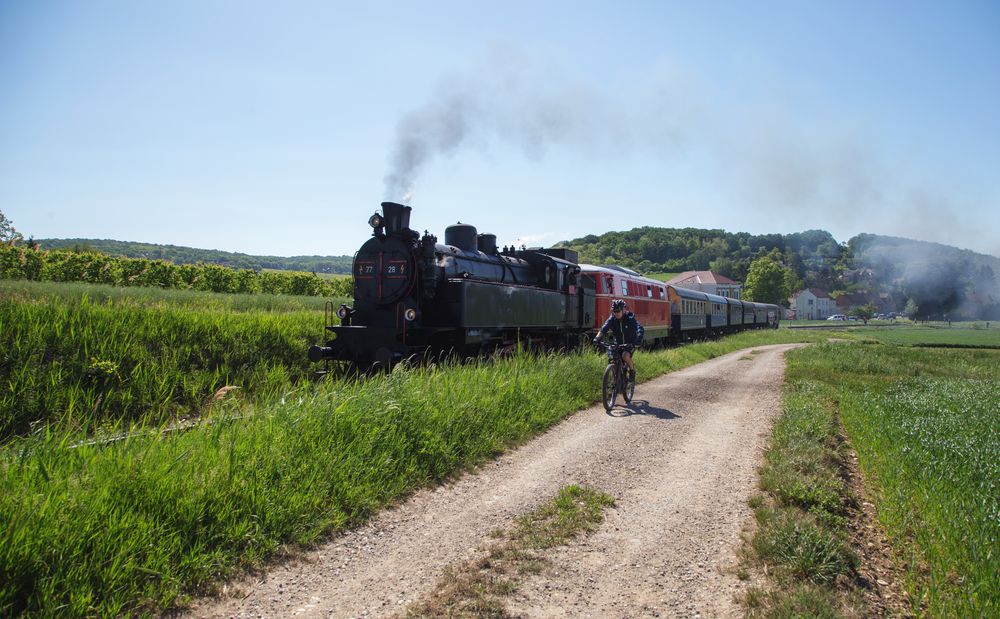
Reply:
x=618, y=304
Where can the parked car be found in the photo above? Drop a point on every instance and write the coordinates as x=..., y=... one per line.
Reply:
x=837, y=317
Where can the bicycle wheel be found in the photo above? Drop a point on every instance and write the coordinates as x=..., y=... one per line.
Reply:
x=629, y=389
x=609, y=387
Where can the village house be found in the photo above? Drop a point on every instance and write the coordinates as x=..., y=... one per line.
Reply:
x=812, y=304
x=709, y=282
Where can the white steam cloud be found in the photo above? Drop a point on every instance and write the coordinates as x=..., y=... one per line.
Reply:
x=825, y=174
x=508, y=100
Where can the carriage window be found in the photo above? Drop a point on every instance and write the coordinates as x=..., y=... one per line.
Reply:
x=663, y=294
x=649, y=291
x=624, y=288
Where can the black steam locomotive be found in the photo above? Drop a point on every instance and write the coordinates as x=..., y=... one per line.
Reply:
x=413, y=295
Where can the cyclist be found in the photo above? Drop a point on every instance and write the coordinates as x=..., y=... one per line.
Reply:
x=624, y=327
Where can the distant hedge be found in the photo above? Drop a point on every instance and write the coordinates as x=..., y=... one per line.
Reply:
x=22, y=262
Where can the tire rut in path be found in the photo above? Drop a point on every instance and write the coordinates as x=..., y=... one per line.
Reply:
x=681, y=463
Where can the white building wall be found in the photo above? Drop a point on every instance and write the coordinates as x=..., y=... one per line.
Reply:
x=810, y=307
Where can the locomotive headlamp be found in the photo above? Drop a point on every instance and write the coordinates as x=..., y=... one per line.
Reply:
x=410, y=315
x=343, y=311
x=375, y=221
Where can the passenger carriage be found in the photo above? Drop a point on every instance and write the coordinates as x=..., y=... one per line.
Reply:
x=689, y=313
x=718, y=314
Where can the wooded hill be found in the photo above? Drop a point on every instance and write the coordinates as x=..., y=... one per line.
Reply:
x=942, y=281
x=190, y=255
x=814, y=256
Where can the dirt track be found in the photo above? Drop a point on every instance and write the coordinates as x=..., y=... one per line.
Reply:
x=681, y=463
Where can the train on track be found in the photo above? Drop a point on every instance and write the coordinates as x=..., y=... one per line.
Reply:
x=414, y=295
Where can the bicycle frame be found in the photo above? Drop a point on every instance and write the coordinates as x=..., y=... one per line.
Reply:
x=615, y=377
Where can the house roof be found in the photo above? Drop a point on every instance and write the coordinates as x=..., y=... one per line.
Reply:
x=702, y=277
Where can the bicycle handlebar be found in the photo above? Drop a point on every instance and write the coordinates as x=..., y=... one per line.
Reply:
x=616, y=346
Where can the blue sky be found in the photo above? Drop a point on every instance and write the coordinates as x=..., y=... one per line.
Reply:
x=278, y=128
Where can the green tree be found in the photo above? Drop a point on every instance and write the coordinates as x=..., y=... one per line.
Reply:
x=865, y=312
x=766, y=281
x=8, y=235
x=725, y=266
x=792, y=282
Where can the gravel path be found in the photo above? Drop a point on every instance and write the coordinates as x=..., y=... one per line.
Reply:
x=681, y=463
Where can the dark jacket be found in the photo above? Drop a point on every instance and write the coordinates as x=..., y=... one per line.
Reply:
x=627, y=330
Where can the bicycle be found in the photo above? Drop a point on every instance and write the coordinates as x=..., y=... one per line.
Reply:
x=617, y=379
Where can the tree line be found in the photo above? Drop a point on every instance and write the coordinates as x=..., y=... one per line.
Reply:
x=23, y=261
x=340, y=265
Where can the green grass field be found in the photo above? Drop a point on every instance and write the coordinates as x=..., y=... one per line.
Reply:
x=925, y=423
x=940, y=334
x=167, y=297
x=928, y=436
x=82, y=356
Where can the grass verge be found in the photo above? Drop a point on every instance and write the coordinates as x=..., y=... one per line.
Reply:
x=477, y=588
x=134, y=526
x=924, y=425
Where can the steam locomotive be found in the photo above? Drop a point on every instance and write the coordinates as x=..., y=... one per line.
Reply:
x=413, y=295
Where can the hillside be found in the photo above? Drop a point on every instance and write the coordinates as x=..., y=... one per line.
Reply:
x=190, y=255
x=942, y=281
x=814, y=255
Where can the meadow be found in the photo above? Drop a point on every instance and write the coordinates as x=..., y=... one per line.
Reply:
x=925, y=423
x=134, y=526
x=957, y=335
x=83, y=356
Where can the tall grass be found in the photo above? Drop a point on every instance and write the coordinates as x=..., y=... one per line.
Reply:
x=67, y=360
x=926, y=426
x=802, y=531
x=131, y=526
x=145, y=296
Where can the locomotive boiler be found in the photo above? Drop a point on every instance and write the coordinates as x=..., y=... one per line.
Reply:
x=413, y=294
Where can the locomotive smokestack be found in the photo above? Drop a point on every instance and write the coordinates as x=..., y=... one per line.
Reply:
x=397, y=217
